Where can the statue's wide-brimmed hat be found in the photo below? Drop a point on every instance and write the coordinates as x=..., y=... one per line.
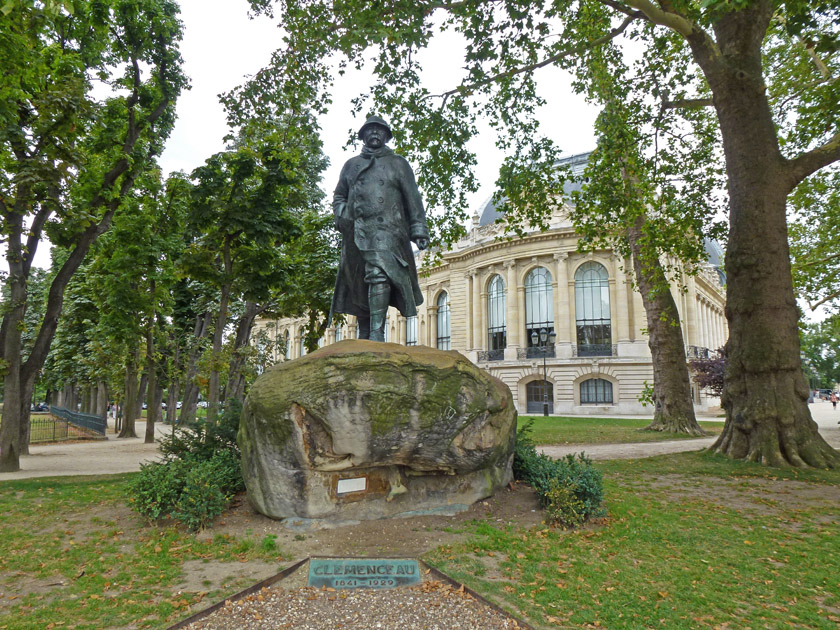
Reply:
x=376, y=120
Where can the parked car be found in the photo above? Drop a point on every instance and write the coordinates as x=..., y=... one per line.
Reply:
x=825, y=394
x=178, y=405
x=202, y=404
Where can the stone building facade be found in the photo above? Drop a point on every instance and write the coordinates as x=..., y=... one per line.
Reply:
x=502, y=302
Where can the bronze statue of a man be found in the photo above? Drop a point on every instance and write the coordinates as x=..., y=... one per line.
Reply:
x=378, y=211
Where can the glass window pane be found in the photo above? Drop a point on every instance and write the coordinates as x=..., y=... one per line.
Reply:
x=592, y=310
x=411, y=331
x=539, y=304
x=497, y=339
x=443, y=336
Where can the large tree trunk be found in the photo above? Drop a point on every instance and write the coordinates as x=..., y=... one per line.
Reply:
x=188, y=403
x=101, y=399
x=218, y=336
x=130, y=405
x=765, y=394
x=11, y=428
x=151, y=384
x=235, y=387
x=141, y=395
x=673, y=407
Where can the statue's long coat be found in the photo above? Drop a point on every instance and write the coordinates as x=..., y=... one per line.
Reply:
x=378, y=210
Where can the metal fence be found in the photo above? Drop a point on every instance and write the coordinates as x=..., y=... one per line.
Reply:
x=47, y=429
x=96, y=424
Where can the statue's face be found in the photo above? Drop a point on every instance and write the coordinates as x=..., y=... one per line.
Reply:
x=374, y=136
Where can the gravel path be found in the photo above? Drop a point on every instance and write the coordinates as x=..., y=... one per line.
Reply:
x=432, y=605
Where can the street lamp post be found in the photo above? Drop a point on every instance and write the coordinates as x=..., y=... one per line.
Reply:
x=542, y=337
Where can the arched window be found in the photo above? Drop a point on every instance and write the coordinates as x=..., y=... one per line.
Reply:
x=539, y=309
x=596, y=391
x=387, y=332
x=539, y=394
x=443, y=337
x=287, y=346
x=302, y=344
x=411, y=331
x=339, y=335
x=496, y=333
x=592, y=310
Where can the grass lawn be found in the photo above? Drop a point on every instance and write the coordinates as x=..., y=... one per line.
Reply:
x=560, y=430
x=691, y=541
x=65, y=563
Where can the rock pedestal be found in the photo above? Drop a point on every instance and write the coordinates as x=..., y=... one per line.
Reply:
x=360, y=430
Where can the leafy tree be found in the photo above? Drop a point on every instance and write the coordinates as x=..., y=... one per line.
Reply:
x=821, y=349
x=68, y=159
x=814, y=238
x=639, y=203
x=766, y=68
x=709, y=372
x=244, y=206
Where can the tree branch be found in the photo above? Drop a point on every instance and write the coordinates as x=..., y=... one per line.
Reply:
x=828, y=298
x=804, y=165
x=818, y=262
x=34, y=237
x=671, y=20
x=545, y=62
x=688, y=103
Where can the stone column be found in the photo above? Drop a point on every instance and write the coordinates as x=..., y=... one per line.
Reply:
x=512, y=314
x=690, y=331
x=469, y=305
x=562, y=310
x=570, y=293
x=622, y=308
x=476, y=305
x=432, y=315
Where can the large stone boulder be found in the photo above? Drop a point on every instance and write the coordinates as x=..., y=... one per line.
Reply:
x=361, y=429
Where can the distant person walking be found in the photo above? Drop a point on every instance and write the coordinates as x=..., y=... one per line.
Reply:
x=833, y=400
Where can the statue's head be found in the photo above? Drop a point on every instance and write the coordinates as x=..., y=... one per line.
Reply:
x=375, y=132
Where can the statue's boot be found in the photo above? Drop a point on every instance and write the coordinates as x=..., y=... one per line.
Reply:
x=378, y=297
x=363, y=329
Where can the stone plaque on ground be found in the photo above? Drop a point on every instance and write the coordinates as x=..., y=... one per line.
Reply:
x=363, y=572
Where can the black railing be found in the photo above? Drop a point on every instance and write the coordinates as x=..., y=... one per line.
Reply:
x=96, y=424
x=491, y=355
x=47, y=429
x=594, y=350
x=535, y=352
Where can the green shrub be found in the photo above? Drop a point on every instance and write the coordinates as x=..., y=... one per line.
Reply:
x=156, y=489
x=199, y=476
x=562, y=505
x=570, y=489
x=208, y=489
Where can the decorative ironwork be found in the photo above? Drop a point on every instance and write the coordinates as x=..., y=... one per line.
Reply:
x=595, y=350
x=538, y=352
x=491, y=355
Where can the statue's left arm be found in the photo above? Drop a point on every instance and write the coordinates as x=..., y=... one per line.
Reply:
x=414, y=209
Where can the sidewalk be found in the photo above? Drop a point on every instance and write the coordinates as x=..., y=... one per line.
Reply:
x=113, y=456
x=101, y=457
x=822, y=412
